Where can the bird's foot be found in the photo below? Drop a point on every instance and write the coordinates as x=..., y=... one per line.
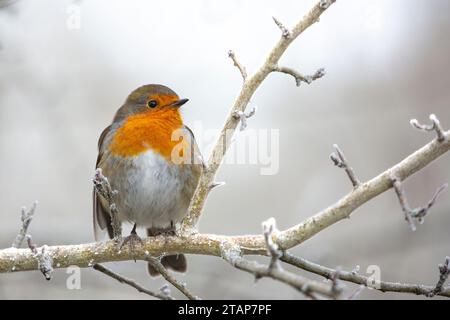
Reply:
x=132, y=240
x=162, y=232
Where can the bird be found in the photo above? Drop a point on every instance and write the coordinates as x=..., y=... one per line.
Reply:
x=152, y=160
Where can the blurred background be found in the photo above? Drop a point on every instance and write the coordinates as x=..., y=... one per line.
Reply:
x=67, y=66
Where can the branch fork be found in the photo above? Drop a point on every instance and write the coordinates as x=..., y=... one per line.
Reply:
x=434, y=126
x=44, y=258
x=299, y=78
x=285, y=32
x=418, y=213
x=233, y=248
x=249, y=87
x=26, y=218
x=444, y=273
x=269, y=231
x=242, y=116
x=233, y=254
x=238, y=65
x=340, y=161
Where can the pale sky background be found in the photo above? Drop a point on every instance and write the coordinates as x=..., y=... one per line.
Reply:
x=386, y=62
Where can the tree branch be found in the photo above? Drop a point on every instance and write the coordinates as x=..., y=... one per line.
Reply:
x=166, y=275
x=236, y=63
x=354, y=277
x=272, y=242
x=285, y=33
x=444, y=272
x=130, y=282
x=43, y=257
x=416, y=213
x=84, y=255
x=299, y=78
x=248, y=89
x=241, y=115
x=308, y=287
x=26, y=217
x=435, y=126
x=340, y=161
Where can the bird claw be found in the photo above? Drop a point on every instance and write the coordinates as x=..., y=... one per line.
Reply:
x=132, y=239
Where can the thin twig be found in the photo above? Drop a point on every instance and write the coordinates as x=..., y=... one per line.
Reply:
x=269, y=229
x=435, y=126
x=251, y=84
x=217, y=184
x=44, y=258
x=335, y=285
x=209, y=244
x=14, y=260
x=166, y=275
x=444, y=272
x=355, y=277
x=299, y=78
x=285, y=33
x=242, y=116
x=104, y=189
x=418, y=213
x=340, y=161
x=306, y=286
x=163, y=295
x=238, y=65
x=26, y=218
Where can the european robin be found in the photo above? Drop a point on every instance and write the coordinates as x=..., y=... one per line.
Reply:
x=151, y=158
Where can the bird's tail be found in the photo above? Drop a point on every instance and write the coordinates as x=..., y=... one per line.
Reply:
x=175, y=262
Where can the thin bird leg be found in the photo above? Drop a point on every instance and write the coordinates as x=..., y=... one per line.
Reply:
x=132, y=239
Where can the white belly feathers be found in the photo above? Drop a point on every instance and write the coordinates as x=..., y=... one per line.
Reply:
x=154, y=193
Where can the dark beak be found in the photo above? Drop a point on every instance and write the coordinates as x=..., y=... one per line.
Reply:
x=179, y=103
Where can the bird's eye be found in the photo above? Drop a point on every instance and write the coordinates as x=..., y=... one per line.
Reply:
x=152, y=103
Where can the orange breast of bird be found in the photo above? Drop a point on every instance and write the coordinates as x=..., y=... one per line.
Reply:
x=147, y=131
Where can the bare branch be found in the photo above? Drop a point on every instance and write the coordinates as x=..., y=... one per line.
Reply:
x=339, y=160
x=335, y=285
x=308, y=287
x=217, y=185
x=26, y=218
x=31, y=245
x=435, y=126
x=84, y=255
x=285, y=33
x=44, y=258
x=163, y=295
x=238, y=65
x=170, y=278
x=248, y=89
x=299, y=78
x=355, y=277
x=269, y=229
x=13, y=259
x=444, y=272
x=104, y=189
x=242, y=116
x=416, y=213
